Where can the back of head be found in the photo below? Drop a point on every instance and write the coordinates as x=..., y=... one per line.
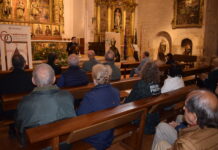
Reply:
x=175, y=70
x=150, y=73
x=51, y=58
x=109, y=56
x=91, y=54
x=101, y=74
x=43, y=75
x=161, y=56
x=146, y=54
x=18, y=61
x=73, y=60
x=205, y=105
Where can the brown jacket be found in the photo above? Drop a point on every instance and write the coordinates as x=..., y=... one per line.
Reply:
x=195, y=138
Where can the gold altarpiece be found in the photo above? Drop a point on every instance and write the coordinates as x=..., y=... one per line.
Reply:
x=115, y=16
x=44, y=16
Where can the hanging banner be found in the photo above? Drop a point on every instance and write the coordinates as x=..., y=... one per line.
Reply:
x=14, y=39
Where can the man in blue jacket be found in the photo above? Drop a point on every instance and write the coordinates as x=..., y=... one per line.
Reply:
x=74, y=76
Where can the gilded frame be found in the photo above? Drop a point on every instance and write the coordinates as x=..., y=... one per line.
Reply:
x=188, y=13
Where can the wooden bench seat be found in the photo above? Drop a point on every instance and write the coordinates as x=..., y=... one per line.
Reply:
x=89, y=124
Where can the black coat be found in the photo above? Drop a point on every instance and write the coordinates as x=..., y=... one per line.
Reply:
x=18, y=81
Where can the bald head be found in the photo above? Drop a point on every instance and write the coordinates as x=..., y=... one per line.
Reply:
x=43, y=75
x=73, y=60
x=204, y=105
x=91, y=54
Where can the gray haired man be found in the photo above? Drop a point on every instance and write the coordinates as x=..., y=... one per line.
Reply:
x=45, y=104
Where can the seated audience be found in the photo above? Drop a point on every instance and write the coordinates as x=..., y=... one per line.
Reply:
x=52, y=57
x=87, y=65
x=74, y=76
x=170, y=59
x=18, y=81
x=161, y=59
x=47, y=103
x=102, y=96
x=145, y=59
x=174, y=80
x=109, y=57
x=201, y=110
x=148, y=85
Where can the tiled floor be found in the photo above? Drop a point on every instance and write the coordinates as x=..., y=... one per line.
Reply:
x=7, y=143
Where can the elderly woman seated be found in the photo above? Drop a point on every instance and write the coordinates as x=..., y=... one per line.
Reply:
x=102, y=96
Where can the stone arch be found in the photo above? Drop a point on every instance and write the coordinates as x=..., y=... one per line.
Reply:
x=167, y=36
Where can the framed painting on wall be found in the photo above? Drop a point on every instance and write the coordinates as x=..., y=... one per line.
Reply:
x=188, y=13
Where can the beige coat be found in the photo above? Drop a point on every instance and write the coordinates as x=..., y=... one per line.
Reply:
x=195, y=138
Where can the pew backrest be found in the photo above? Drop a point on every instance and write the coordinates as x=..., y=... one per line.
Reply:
x=89, y=124
x=10, y=101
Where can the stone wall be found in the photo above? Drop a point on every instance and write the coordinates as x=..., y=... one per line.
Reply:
x=154, y=25
x=211, y=29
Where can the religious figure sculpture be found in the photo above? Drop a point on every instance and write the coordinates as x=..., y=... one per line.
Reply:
x=163, y=46
x=6, y=9
x=117, y=18
x=56, y=32
x=115, y=50
x=35, y=10
x=47, y=31
x=188, y=50
x=38, y=30
x=20, y=9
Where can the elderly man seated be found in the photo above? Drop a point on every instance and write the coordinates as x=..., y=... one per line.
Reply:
x=109, y=57
x=87, y=65
x=201, y=115
x=47, y=103
x=74, y=76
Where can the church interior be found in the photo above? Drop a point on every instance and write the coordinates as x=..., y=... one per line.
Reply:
x=136, y=34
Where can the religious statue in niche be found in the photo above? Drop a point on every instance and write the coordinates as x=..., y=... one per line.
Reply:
x=188, y=13
x=117, y=18
x=38, y=30
x=115, y=50
x=187, y=46
x=47, y=30
x=35, y=9
x=163, y=46
x=56, y=32
x=6, y=9
x=20, y=9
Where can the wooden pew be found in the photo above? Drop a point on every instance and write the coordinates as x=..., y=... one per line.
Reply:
x=10, y=101
x=190, y=75
x=86, y=125
x=186, y=59
x=126, y=67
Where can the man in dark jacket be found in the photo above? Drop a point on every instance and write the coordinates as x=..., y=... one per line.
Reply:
x=74, y=76
x=109, y=57
x=46, y=104
x=18, y=80
x=87, y=65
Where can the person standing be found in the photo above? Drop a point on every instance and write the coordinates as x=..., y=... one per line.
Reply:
x=73, y=47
